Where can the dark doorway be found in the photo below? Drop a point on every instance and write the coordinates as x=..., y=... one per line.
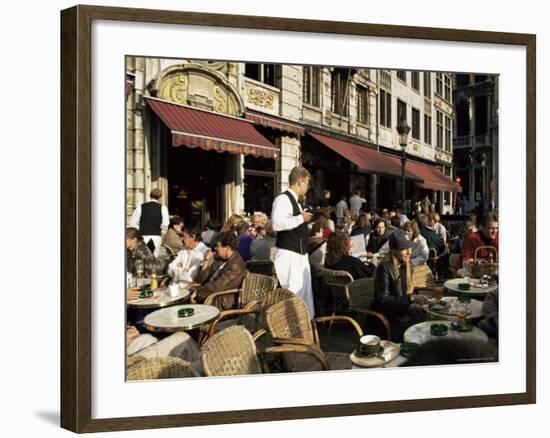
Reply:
x=258, y=193
x=195, y=179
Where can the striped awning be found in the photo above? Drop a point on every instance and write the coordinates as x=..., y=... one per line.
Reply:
x=366, y=159
x=274, y=122
x=433, y=178
x=207, y=130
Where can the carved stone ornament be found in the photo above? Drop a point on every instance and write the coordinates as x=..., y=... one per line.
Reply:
x=260, y=97
x=175, y=88
x=201, y=87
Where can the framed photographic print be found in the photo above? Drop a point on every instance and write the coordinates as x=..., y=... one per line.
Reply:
x=320, y=219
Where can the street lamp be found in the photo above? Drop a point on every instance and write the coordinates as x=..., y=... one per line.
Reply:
x=403, y=131
x=483, y=162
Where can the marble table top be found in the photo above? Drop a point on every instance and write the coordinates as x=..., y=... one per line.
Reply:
x=162, y=300
x=167, y=320
x=475, y=289
x=420, y=333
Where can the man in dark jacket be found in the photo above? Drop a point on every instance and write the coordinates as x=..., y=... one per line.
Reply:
x=227, y=271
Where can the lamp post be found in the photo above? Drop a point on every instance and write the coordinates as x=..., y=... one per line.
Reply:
x=403, y=131
x=483, y=162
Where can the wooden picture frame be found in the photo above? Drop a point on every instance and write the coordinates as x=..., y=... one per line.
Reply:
x=76, y=218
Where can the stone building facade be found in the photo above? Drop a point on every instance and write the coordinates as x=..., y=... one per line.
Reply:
x=475, y=143
x=325, y=118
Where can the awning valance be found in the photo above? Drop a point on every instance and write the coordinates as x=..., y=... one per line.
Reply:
x=274, y=122
x=433, y=178
x=368, y=160
x=193, y=128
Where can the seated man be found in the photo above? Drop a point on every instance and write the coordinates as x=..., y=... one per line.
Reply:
x=179, y=345
x=433, y=240
x=227, y=271
x=487, y=235
x=184, y=268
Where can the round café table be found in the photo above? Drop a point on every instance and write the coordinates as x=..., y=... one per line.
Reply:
x=162, y=300
x=167, y=320
x=420, y=333
x=475, y=310
x=475, y=289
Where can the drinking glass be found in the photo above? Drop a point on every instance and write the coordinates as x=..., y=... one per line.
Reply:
x=139, y=268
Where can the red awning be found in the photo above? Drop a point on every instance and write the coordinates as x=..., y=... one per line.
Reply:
x=368, y=160
x=274, y=122
x=193, y=128
x=433, y=178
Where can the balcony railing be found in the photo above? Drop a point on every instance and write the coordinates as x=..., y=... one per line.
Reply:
x=467, y=141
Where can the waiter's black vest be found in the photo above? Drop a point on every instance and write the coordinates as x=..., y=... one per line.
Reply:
x=151, y=218
x=297, y=238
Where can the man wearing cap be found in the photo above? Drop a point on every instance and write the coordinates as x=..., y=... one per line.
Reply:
x=290, y=222
x=393, y=288
x=151, y=218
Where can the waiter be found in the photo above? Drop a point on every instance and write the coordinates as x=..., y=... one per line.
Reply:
x=152, y=219
x=290, y=222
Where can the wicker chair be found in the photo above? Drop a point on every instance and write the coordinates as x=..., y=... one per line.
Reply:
x=353, y=295
x=264, y=267
x=160, y=368
x=290, y=323
x=254, y=289
x=232, y=352
x=424, y=282
x=361, y=299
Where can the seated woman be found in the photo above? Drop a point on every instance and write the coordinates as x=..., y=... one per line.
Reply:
x=136, y=249
x=420, y=252
x=227, y=271
x=378, y=237
x=362, y=226
x=338, y=257
x=246, y=234
x=393, y=288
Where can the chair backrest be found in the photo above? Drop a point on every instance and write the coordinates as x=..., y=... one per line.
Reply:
x=160, y=368
x=361, y=293
x=336, y=278
x=230, y=352
x=290, y=319
x=337, y=282
x=256, y=287
x=278, y=295
x=264, y=267
x=422, y=276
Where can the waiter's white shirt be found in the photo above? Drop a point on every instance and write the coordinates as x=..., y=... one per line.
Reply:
x=340, y=207
x=355, y=204
x=292, y=269
x=136, y=217
x=157, y=240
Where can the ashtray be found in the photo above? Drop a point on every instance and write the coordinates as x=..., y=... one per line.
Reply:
x=408, y=348
x=146, y=293
x=436, y=306
x=461, y=326
x=439, y=329
x=185, y=312
x=464, y=286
